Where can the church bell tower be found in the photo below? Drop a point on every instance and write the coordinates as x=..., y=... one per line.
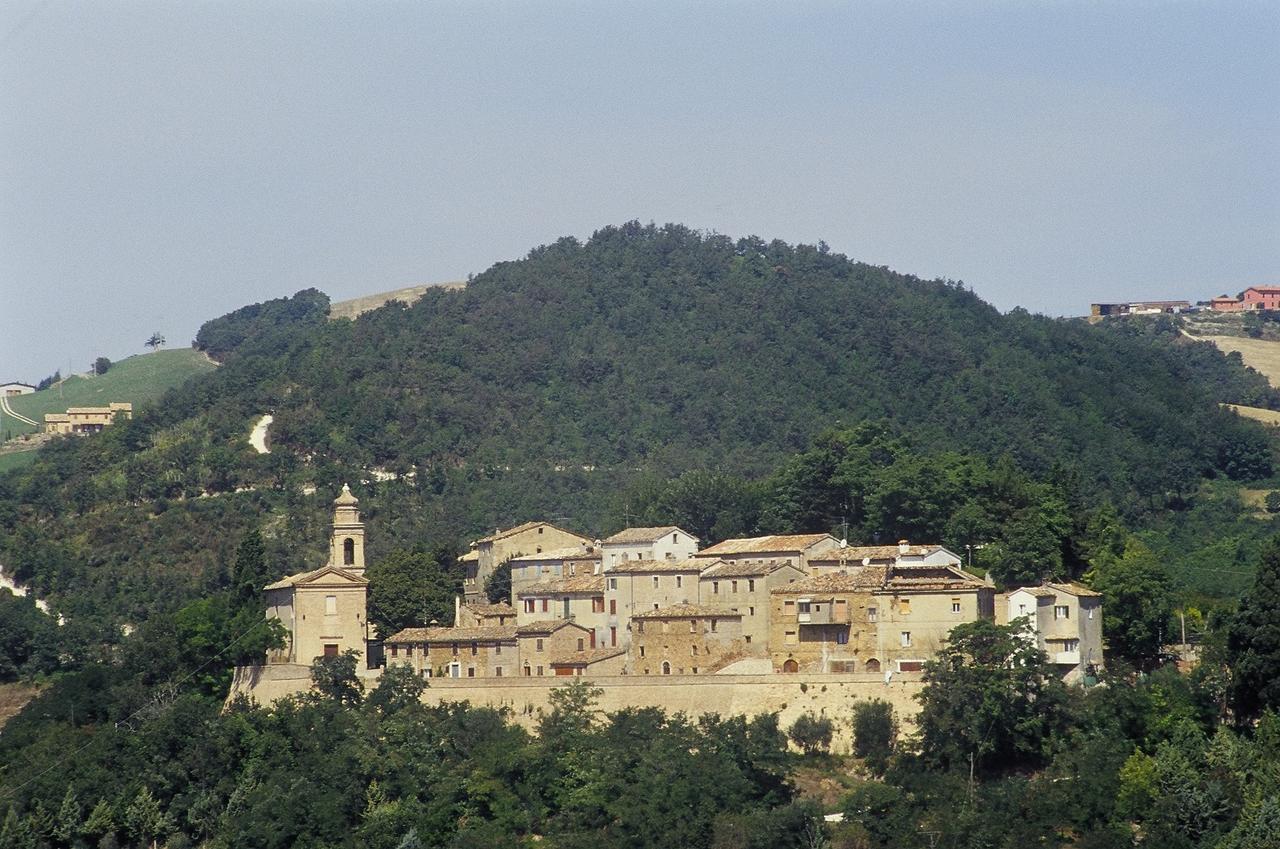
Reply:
x=346, y=545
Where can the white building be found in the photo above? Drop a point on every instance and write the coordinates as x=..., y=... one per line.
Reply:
x=10, y=389
x=664, y=543
x=1066, y=622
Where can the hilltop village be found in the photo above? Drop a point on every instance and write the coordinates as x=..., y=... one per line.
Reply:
x=651, y=601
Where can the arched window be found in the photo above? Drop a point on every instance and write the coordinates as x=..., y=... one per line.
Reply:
x=791, y=665
x=348, y=552
x=666, y=668
x=873, y=665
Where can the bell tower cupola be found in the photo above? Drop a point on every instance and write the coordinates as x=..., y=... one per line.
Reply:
x=346, y=546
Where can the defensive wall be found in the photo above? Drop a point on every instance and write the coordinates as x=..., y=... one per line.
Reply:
x=830, y=695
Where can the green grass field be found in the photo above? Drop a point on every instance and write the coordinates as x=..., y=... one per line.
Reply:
x=140, y=379
x=16, y=460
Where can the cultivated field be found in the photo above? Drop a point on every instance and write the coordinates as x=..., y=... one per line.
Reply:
x=140, y=379
x=1260, y=354
x=356, y=306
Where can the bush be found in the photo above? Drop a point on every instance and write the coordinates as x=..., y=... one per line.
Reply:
x=812, y=733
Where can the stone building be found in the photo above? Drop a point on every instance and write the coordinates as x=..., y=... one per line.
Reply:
x=486, y=651
x=545, y=643
x=744, y=586
x=1066, y=622
x=323, y=611
x=685, y=639
x=477, y=615
x=789, y=549
x=579, y=599
x=490, y=552
x=662, y=543
x=634, y=586
x=845, y=558
x=569, y=562
x=86, y=419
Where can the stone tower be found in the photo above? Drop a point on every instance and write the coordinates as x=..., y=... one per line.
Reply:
x=346, y=545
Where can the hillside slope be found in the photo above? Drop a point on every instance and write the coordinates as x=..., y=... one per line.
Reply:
x=556, y=385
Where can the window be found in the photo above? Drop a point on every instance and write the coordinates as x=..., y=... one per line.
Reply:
x=655, y=605
x=613, y=605
x=597, y=604
x=906, y=638
x=639, y=627
x=475, y=647
x=642, y=651
x=348, y=552
x=675, y=538
x=330, y=605
x=693, y=626
x=613, y=636
x=751, y=585
x=544, y=605
x=395, y=651
x=408, y=651
x=842, y=636
x=528, y=605
x=528, y=670
x=789, y=637
x=538, y=550
x=788, y=608
x=715, y=587
x=747, y=638
x=1061, y=611
x=655, y=582
x=713, y=626
x=666, y=668
x=539, y=645
x=733, y=586
x=471, y=672
x=540, y=671
x=454, y=646
x=613, y=583
x=804, y=607
x=330, y=649
x=539, y=531
x=679, y=581
x=955, y=605
x=581, y=644
x=693, y=650
x=497, y=672
x=497, y=648
x=751, y=611
x=1091, y=613
x=904, y=606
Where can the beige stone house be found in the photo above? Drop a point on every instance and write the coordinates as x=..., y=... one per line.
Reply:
x=789, y=549
x=478, y=615
x=744, y=586
x=634, y=586
x=486, y=651
x=662, y=543
x=549, y=642
x=323, y=611
x=490, y=552
x=605, y=661
x=568, y=562
x=1065, y=620
x=578, y=599
x=685, y=639
x=882, y=619
x=86, y=419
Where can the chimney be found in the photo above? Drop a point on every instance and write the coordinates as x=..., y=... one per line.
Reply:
x=903, y=546
x=457, y=611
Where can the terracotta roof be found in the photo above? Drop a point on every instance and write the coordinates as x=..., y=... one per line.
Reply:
x=469, y=556
x=1075, y=589
x=765, y=545
x=489, y=610
x=527, y=526
x=1038, y=592
x=588, y=657
x=876, y=552
x=688, y=611
x=931, y=578
x=57, y=417
x=741, y=569
x=575, y=552
x=646, y=567
x=576, y=584
x=484, y=633
x=635, y=535
x=304, y=577
x=544, y=627
x=864, y=579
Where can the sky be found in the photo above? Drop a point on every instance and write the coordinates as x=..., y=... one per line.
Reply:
x=164, y=163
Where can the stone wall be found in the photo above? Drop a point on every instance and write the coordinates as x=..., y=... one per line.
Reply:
x=830, y=695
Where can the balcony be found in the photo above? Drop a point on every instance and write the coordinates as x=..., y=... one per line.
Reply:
x=1066, y=658
x=823, y=612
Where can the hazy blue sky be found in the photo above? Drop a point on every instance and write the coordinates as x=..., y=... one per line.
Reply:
x=165, y=163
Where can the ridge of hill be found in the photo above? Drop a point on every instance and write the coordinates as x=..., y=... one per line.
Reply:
x=355, y=307
x=593, y=381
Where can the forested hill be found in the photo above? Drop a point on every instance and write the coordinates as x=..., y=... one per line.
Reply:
x=555, y=385
x=661, y=346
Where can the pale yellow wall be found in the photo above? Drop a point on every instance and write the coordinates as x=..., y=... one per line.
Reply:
x=687, y=643
x=929, y=621
x=751, y=598
x=634, y=593
x=492, y=554
x=580, y=611
x=314, y=628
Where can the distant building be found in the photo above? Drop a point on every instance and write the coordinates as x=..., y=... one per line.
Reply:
x=743, y=586
x=323, y=611
x=637, y=586
x=1261, y=298
x=903, y=554
x=86, y=419
x=10, y=389
x=1139, y=308
x=569, y=562
x=1226, y=303
x=492, y=551
x=579, y=599
x=1066, y=621
x=685, y=639
x=790, y=549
